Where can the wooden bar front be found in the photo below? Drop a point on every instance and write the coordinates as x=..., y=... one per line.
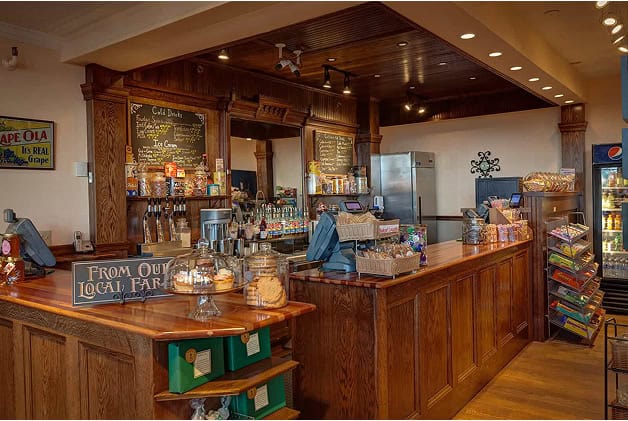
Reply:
x=110, y=361
x=419, y=346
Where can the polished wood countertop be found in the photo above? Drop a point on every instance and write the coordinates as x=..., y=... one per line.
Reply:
x=159, y=318
x=440, y=256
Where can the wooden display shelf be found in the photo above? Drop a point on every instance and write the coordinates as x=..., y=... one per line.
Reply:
x=236, y=382
x=284, y=413
x=141, y=198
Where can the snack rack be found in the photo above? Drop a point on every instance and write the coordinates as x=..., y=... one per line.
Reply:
x=573, y=295
x=617, y=338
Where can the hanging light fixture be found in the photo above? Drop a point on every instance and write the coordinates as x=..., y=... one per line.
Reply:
x=421, y=110
x=408, y=105
x=327, y=83
x=347, y=88
x=223, y=55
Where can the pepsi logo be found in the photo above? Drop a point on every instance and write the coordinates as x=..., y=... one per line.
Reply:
x=614, y=153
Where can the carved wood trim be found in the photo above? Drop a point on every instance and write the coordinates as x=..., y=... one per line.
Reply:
x=317, y=122
x=162, y=93
x=572, y=127
x=93, y=91
x=271, y=109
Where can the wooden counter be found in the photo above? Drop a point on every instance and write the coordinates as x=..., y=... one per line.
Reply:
x=108, y=361
x=419, y=346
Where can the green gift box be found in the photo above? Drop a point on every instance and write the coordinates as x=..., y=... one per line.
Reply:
x=247, y=348
x=194, y=362
x=260, y=401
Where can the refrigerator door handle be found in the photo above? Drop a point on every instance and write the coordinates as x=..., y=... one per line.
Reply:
x=420, y=212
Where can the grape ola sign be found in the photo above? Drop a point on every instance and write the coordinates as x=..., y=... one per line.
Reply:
x=26, y=143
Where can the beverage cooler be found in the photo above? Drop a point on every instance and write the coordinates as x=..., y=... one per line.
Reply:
x=610, y=190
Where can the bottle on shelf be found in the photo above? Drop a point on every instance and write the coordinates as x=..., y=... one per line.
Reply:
x=618, y=222
x=183, y=233
x=604, y=220
x=612, y=179
x=610, y=221
x=620, y=179
x=263, y=234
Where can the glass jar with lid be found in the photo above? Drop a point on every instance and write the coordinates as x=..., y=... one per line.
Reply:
x=201, y=272
x=267, y=274
x=158, y=185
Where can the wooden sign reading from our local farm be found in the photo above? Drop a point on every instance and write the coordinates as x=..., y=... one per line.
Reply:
x=110, y=281
x=26, y=143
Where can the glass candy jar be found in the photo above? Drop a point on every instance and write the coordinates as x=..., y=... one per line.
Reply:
x=158, y=185
x=266, y=272
x=204, y=273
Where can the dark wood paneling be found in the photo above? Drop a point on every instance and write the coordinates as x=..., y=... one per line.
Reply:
x=486, y=315
x=402, y=356
x=342, y=320
x=573, y=126
x=7, y=388
x=463, y=305
x=45, y=375
x=106, y=160
x=434, y=344
x=503, y=287
x=108, y=378
x=520, y=303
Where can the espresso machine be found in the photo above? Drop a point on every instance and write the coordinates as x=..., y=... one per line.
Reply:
x=215, y=229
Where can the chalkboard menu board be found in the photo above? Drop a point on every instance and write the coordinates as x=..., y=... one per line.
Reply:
x=163, y=134
x=335, y=152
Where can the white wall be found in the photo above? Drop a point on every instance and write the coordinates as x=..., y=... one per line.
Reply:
x=524, y=142
x=43, y=88
x=243, y=154
x=287, y=164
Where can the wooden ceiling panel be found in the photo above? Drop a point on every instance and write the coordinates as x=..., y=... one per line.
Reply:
x=364, y=41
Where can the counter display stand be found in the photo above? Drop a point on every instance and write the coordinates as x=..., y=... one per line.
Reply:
x=617, y=340
x=573, y=295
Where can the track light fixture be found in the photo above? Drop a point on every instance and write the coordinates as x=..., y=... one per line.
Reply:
x=223, y=54
x=413, y=99
x=347, y=75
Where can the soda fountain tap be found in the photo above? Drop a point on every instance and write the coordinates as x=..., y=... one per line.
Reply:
x=145, y=223
x=158, y=225
x=168, y=214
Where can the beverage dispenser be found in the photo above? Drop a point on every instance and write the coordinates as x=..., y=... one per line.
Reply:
x=214, y=225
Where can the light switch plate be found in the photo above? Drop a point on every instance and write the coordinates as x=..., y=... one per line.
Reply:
x=80, y=169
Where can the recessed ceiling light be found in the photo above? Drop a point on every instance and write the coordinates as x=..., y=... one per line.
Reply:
x=467, y=36
x=601, y=4
x=411, y=87
x=331, y=59
x=442, y=63
x=495, y=54
x=619, y=38
x=546, y=88
x=472, y=78
x=402, y=43
x=377, y=75
x=248, y=138
x=623, y=49
x=617, y=28
x=609, y=20
x=559, y=96
x=533, y=79
x=569, y=101
x=515, y=68
x=421, y=110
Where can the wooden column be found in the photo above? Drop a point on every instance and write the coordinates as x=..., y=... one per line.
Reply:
x=368, y=140
x=264, y=156
x=106, y=102
x=572, y=128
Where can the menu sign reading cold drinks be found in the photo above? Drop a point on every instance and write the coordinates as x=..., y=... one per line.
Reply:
x=335, y=152
x=26, y=143
x=163, y=134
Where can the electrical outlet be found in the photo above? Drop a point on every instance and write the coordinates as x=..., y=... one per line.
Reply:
x=47, y=236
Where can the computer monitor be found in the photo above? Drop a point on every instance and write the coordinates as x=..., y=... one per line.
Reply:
x=32, y=246
x=515, y=200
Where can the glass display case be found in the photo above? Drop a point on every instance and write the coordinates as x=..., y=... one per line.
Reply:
x=610, y=190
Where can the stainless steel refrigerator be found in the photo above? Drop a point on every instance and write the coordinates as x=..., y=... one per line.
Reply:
x=408, y=184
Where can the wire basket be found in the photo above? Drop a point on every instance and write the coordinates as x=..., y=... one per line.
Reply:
x=619, y=413
x=620, y=352
x=388, y=267
x=368, y=230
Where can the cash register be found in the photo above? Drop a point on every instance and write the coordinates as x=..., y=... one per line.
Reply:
x=326, y=246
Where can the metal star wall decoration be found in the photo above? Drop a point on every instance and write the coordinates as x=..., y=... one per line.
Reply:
x=484, y=166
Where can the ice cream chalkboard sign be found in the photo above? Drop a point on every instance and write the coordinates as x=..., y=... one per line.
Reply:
x=334, y=151
x=165, y=134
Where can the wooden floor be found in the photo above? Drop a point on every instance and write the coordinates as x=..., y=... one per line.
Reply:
x=550, y=380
